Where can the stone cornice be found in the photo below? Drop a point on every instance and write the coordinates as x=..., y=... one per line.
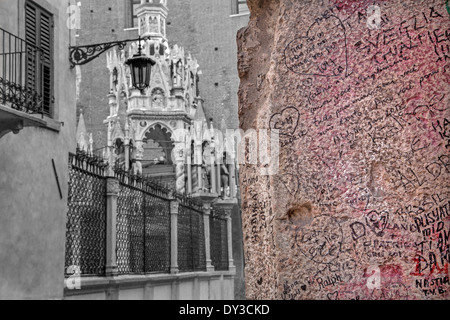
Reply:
x=146, y=115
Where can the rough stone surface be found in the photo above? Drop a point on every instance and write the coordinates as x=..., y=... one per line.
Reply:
x=359, y=208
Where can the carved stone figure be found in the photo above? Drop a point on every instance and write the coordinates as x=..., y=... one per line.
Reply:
x=135, y=161
x=225, y=179
x=158, y=98
x=179, y=74
x=206, y=166
x=136, y=167
x=120, y=154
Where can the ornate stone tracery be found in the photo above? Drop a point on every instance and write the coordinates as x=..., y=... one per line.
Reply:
x=153, y=117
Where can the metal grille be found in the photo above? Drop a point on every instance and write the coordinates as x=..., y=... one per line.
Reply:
x=219, y=240
x=191, y=237
x=143, y=227
x=86, y=217
x=130, y=230
x=158, y=234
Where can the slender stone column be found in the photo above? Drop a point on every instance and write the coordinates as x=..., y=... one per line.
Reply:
x=198, y=164
x=189, y=172
x=195, y=183
x=206, y=218
x=213, y=178
x=112, y=193
x=219, y=177
x=127, y=155
x=174, y=207
x=110, y=151
x=213, y=172
x=231, y=266
x=227, y=206
x=232, y=179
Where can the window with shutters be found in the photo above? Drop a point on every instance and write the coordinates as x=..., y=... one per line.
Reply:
x=239, y=7
x=39, y=66
x=134, y=18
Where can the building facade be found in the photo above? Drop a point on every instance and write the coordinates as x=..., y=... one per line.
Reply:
x=37, y=130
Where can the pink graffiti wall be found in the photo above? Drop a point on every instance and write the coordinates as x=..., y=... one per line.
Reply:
x=360, y=94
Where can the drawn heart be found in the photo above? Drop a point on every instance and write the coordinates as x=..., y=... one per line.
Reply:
x=332, y=296
x=322, y=51
x=291, y=182
x=286, y=121
x=377, y=222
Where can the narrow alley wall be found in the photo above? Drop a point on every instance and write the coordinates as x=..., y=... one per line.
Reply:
x=360, y=94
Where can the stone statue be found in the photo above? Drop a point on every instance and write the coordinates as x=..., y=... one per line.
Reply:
x=206, y=166
x=179, y=74
x=120, y=154
x=225, y=179
x=136, y=165
x=158, y=98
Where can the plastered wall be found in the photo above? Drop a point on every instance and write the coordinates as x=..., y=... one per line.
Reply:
x=32, y=212
x=359, y=207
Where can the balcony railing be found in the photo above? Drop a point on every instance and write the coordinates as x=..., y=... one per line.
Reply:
x=19, y=74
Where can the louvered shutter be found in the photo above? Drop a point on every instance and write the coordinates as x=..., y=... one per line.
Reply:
x=31, y=39
x=39, y=36
x=46, y=60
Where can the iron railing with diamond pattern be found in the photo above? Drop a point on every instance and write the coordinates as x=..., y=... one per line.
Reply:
x=219, y=240
x=191, y=236
x=157, y=234
x=143, y=239
x=86, y=217
x=143, y=226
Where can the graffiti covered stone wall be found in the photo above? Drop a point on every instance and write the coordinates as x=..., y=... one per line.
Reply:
x=360, y=94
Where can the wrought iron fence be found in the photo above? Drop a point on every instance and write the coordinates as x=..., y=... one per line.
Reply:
x=191, y=236
x=86, y=217
x=18, y=61
x=157, y=233
x=143, y=226
x=219, y=240
x=130, y=230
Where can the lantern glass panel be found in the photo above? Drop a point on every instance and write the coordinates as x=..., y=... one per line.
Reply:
x=140, y=67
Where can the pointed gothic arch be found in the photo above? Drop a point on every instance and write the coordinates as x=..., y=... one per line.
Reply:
x=163, y=137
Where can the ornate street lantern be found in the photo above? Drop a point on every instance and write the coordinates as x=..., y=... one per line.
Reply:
x=140, y=66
